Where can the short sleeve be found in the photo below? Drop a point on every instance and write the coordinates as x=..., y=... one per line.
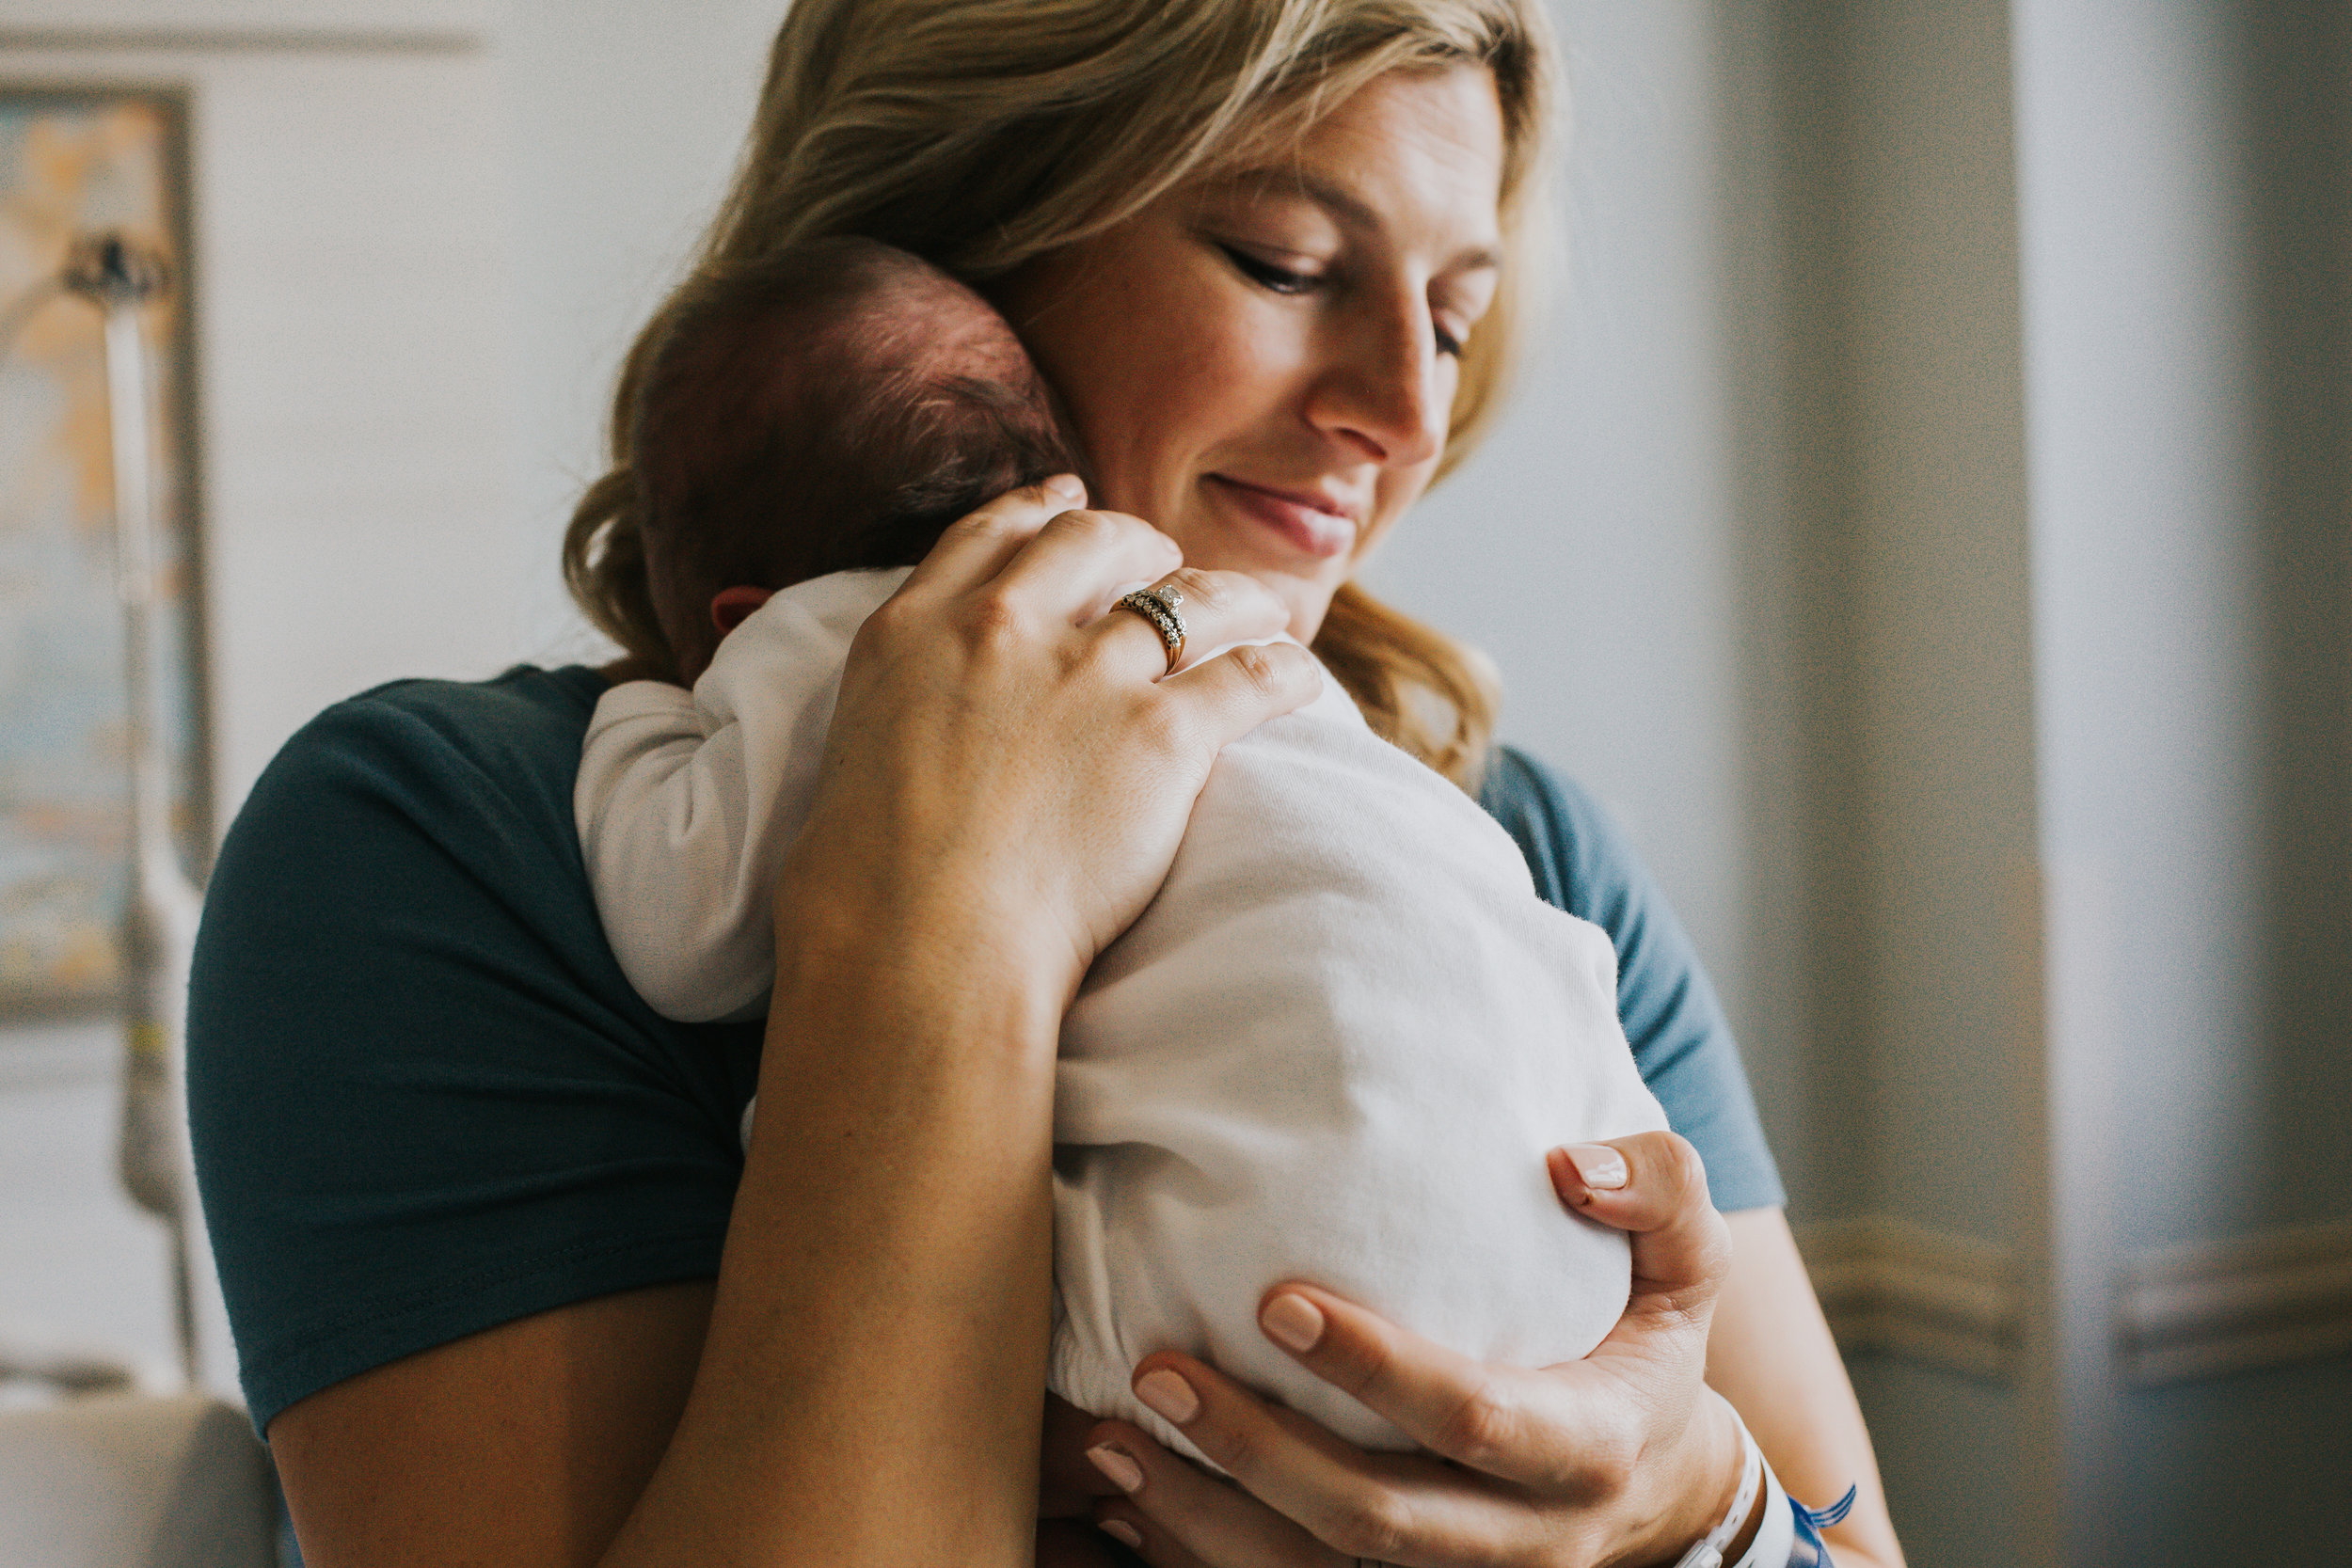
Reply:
x=1681, y=1040
x=424, y=1100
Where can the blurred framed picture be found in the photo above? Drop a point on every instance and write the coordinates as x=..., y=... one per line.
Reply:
x=75, y=161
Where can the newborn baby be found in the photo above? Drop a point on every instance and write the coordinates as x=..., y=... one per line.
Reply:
x=1334, y=1048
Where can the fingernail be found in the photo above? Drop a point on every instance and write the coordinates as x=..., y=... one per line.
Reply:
x=1598, y=1166
x=1068, y=488
x=1168, y=1394
x=1121, y=1471
x=1291, y=1320
x=1123, y=1532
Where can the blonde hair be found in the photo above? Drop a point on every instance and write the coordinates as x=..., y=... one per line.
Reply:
x=979, y=134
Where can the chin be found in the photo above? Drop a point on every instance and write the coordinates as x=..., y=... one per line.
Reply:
x=1307, y=604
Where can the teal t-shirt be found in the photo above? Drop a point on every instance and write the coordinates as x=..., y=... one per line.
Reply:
x=425, y=1101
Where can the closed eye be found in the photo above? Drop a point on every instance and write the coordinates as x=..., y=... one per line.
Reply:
x=1283, y=280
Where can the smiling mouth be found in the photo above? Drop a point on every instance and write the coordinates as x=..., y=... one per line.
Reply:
x=1305, y=522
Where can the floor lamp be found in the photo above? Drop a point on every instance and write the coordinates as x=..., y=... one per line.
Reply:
x=159, y=916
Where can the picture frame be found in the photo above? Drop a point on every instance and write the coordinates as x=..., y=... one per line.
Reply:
x=77, y=159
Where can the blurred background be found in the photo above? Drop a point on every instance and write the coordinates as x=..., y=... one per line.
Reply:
x=1926, y=526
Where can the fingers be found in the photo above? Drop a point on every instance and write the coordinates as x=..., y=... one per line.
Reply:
x=1531, y=1451
x=1242, y=688
x=1180, y=1516
x=1388, y=1507
x=975, y=547
x=1142, y=1535
x=1654, y=1185
x=1035, y=548
x=1502, y=1421
x=1215, y=609
x=1068, y=1483
x=1071, y=569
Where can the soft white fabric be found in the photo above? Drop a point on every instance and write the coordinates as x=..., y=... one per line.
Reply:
x=687, y=801
x=1334, y=1048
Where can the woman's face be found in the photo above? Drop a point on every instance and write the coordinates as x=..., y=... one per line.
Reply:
x=1263, y=364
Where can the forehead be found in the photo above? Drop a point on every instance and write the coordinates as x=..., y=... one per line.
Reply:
x=1419, y=151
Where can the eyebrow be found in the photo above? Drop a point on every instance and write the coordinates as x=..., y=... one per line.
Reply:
x=1344, y=205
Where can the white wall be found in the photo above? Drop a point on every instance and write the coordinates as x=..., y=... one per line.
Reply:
x=2140, y=293
x=2177, y=190
x=356, y=389
x=86, y=1272
x=622, y=123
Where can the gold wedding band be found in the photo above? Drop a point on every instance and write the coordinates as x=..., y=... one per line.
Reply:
x=1158, y=606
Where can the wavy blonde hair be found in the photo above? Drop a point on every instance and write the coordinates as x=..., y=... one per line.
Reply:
x=979, y=134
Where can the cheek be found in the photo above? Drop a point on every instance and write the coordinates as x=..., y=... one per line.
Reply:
x=1162, y=384
x=1395, y=493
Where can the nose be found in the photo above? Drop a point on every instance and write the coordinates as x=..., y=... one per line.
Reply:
x=1382, y=389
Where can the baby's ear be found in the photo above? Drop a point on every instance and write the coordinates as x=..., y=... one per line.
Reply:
x=729, y=606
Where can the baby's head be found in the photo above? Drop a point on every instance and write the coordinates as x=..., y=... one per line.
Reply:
x=831, y=406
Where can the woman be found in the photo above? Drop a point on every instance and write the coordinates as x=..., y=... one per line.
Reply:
x=469, y=1192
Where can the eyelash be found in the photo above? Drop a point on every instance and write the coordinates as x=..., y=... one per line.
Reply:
x=1281, y=281
x=1266, y=274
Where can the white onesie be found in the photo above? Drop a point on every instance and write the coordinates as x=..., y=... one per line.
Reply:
x=1334, y=1048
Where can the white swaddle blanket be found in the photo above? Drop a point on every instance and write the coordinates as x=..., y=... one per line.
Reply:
x=1334, y=1048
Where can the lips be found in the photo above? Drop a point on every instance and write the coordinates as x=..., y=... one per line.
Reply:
x=1313, y=524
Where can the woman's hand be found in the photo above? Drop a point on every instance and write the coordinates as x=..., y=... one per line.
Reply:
x=1004, y=767
x=1619, y=1457
x=1003, y=787
x=1005, y=781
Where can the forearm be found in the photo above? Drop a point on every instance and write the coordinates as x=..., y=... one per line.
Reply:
x=869, y=1389
x=1003, y=784
x=1770, y=1355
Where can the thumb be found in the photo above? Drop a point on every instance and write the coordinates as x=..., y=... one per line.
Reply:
x=1654, y=1185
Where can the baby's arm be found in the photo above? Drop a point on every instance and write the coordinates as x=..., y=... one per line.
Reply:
x=661, y=804
x=687, y=801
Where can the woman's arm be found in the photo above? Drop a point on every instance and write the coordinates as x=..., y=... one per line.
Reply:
x=1768, y=1349
x=524, y=1444
x=1770, y=1355
x=1618, y=1459
x=1004, y=785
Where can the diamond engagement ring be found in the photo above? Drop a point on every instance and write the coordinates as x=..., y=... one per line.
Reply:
x=1159, y=606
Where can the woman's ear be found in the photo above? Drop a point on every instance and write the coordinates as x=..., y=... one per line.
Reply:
x=729, y=606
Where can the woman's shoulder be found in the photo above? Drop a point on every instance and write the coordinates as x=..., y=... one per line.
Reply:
x=525, y=696
x=1584, y=861
x=524, y=726
x=1580, y=857
x=481, y=770
x=424, y=1100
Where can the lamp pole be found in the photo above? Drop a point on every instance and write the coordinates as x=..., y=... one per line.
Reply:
x=159, y=917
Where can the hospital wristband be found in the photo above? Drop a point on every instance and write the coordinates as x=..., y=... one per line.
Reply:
x=1790, y=1535
x=1776, y=1537
x=1708, y=1551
